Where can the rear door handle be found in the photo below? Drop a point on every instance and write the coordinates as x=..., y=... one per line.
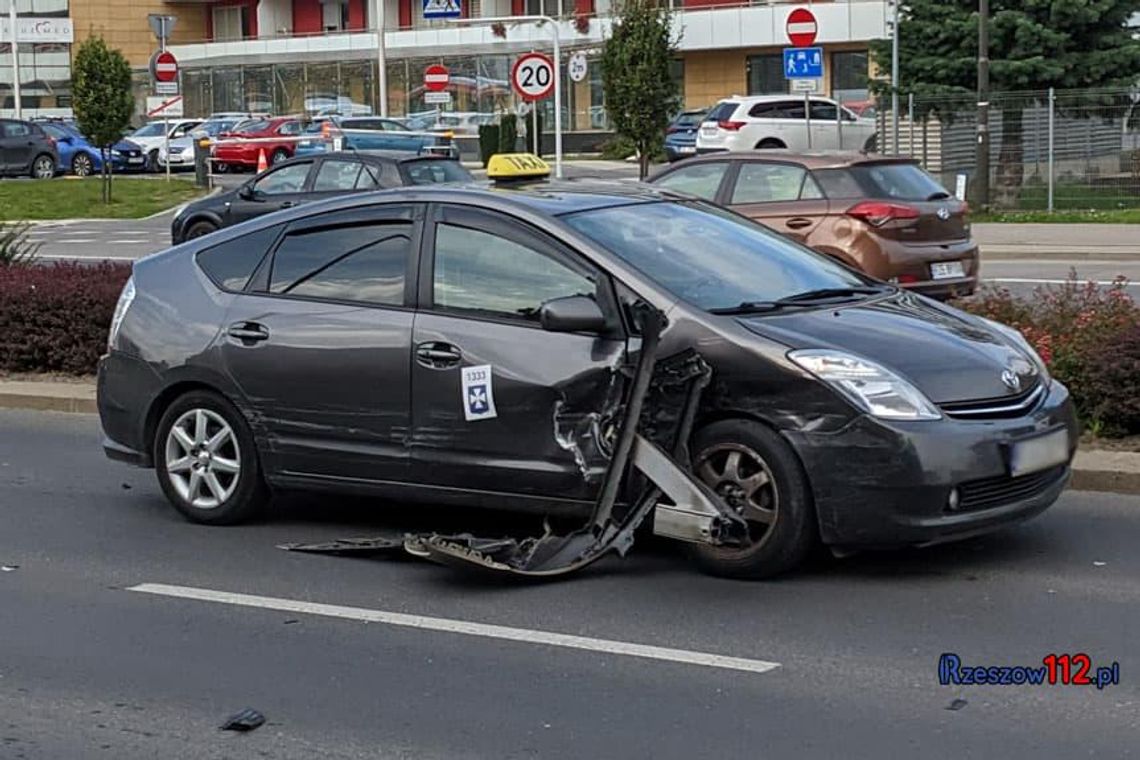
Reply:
x=436, y=355
x=287, y=204
x=798, y=223
x=248, y=332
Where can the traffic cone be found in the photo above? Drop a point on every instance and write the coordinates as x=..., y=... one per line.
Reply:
x=262, y=164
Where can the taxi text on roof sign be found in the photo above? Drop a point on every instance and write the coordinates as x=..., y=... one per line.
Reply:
x=516, y=166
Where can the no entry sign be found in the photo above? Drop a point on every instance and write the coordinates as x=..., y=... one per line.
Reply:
x=801, y=27
x=436, y=77
x=164, y=66
x=533, y=76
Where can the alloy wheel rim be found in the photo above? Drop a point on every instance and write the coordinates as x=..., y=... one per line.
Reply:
x=743, y=481
x=44, y=168
x=81, y=166
x=203, y=460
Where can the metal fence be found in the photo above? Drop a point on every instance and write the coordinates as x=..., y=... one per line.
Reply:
x=1048, y=149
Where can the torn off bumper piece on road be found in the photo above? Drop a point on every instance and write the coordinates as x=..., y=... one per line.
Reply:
x=660, y=395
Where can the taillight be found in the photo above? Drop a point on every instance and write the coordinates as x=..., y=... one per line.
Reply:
x=878, y=213
x=906, y=279
x=731, y=126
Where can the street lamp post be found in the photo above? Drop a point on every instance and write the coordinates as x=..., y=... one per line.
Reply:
x=381, y=58
x=982, y=162
x=557, y=72
x=895, y=79
x=15, y=59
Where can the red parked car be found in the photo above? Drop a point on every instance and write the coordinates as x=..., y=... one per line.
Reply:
x=242, y=148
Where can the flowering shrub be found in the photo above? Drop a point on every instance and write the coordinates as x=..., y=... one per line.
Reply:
x=1077, y=328
x=55, y=318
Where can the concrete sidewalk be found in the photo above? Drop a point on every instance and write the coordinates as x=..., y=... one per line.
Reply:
x=1093, y=470
x=1092, y=241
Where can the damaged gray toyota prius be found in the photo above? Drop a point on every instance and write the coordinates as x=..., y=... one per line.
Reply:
x=604, y=350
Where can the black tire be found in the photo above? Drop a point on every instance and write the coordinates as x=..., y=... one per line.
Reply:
x=200, y=228
x=152, y=162
x=278, y=156
x=43, y=167
x=786, y=541
x=770, y=143
x=82, y=165
x=247, y=491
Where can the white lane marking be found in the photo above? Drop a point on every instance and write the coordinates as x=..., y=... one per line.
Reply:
x=1030, y=281
x=95, y=257
x=73, y=241
x=1015, y=263
x=129, y=241
x=467, y=628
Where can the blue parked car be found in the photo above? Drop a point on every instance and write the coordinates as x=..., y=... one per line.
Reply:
x=81, y=158
x=681, y=136
x=373, y=133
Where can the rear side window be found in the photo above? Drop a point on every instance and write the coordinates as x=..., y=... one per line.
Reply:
x=355, y=262
x=16, y=129
x=701, y=180
x=838, y=183
x=433, y=172
x=770, y=183
x=230, y=265
x=336, y=176
x=722, y=111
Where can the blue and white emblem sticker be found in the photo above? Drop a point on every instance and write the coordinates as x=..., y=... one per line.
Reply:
x=478, y=393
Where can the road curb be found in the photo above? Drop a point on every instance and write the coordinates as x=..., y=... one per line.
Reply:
x=1094, y=469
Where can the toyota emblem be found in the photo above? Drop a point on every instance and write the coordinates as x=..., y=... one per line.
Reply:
x=943, y=213
x=1011, y=380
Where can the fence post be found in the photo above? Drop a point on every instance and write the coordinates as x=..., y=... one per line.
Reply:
x=1052, y=109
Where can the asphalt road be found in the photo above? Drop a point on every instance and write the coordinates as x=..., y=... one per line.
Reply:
x=91, y=668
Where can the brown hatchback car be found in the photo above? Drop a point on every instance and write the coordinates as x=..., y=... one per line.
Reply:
x=884, y=216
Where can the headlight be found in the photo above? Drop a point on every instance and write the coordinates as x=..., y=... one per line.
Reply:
x=869, y=386
x=125, y=299
x=1021, y=344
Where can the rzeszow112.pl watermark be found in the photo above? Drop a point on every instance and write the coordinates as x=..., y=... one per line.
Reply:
x=1055, y=669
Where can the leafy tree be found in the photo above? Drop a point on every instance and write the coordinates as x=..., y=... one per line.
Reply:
x=1034, y=45
x=101, y=98
x=639, y=91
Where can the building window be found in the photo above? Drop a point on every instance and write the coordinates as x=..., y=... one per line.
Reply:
x=231, y=22
x=849, y=76
x=766, y=74
x=334, y=15
x=546, y=7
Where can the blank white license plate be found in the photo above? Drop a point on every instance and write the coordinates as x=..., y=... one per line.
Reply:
x=1041, y=453
x=687, y=149
x=135, y=160
x=709, y=130
x=945, y=270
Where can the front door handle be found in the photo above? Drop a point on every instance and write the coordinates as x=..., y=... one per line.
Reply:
x=248, y=332
x=798, y=223
x=287, y=204
x=436, y=355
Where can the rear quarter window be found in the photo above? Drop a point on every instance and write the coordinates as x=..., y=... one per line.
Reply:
x=229, y=265
x=722, y=111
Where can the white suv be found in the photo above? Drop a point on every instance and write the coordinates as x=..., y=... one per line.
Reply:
x=778, y=121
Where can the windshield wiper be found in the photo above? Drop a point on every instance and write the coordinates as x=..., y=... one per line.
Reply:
x=824, y=294
x=748, y=307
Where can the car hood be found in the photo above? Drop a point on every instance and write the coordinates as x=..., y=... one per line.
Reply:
x=947, y=354
x=126, y=145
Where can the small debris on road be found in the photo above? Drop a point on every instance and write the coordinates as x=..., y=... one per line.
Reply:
x=246, y=720
x=126, y=486
x=291, y=621
x=9, y=568
x=957, y=704
x=1099, y=564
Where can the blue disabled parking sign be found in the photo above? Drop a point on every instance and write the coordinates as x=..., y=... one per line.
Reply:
x=803, y=63
x=443, y=8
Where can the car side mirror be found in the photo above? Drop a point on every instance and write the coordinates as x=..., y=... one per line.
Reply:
x=572, y=314
x=246, y=193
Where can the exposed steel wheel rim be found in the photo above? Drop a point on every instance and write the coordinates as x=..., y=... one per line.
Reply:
x=743, y=481
x=203, y=460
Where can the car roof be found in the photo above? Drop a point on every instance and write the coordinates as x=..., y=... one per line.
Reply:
x=552, y=197
x=771, y=98
x=820, y=159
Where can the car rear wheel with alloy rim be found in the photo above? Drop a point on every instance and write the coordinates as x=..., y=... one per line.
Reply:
x=206, y=461
x=758, y=475
x=82, y=165
x=43, y=167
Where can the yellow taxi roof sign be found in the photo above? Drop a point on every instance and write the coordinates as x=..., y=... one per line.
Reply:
x=507, y=166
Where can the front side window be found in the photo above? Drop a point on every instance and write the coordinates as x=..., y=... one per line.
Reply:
x=335, y=176
x=287, y=179
x=481, y=272
x=290, y=128
x=154, y=129
x=821, y=111
x=708, y=256
x=365, y=263
x=768, y=183
x=702, y=180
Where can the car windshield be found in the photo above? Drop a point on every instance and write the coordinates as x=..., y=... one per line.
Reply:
x=904, y=182
x=252, y=126
x=435, y=171
x=689, y=119
x=153, y=129
x=710, y=257
x=213, y=128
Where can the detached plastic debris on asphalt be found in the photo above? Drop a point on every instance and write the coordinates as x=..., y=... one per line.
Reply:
x=657, y=412
x=246, y=720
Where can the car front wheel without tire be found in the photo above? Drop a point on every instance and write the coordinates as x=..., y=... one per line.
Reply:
x=758, y=476
x=43, y=167
x=207, y=462
x=82, y=165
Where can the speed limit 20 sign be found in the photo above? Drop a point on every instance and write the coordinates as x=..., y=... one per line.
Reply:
x=533, y=76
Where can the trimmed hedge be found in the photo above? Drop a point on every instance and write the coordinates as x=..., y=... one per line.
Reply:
x=55, y=318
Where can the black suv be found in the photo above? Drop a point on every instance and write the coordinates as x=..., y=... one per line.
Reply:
x=25, y=149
